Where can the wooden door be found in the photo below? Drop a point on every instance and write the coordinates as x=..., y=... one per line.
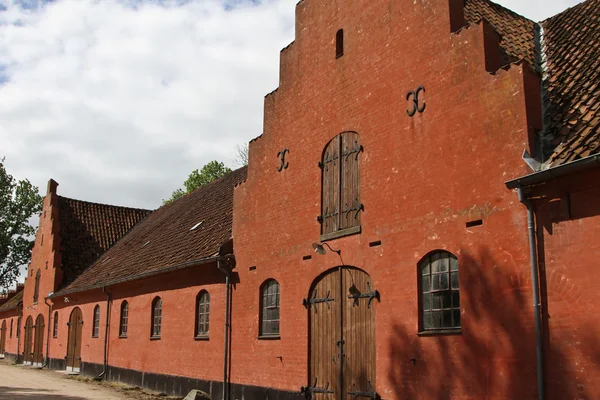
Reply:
x=342, y=336
x=3, y=337
x=38, y=347
x=28, y=342
x=74, y=340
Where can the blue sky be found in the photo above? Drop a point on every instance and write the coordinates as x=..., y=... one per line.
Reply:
x=118, y=100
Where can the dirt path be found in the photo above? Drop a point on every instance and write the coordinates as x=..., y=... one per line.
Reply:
x=24, y=383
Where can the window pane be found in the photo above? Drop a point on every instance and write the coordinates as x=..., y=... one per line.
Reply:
x=455, y=299
x=447, y=319
x=435, y=263
x=446, y=300
x=435, y=282
x=454, y=280
x=427, y=320
x=437, y=301
x=426, y=284
x=453, y=264
x=425, y=270
x=456, y=316
x=444, y=281
x=427, y=302
x=436, y=319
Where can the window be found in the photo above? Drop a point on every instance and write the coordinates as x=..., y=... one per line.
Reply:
x=439, y=292
x=55, y=326
x=19, y=327
x=269, y=317
x=124, y=319
x=339, y=43
x=96, y=323
x=202, y=313
x=11, y=327
x=156, y=317
x=36, y=293
x=340, y=197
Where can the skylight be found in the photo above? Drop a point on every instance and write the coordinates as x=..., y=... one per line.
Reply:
x=196, y=226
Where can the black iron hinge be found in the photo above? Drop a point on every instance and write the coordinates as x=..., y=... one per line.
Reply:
x=356, y=294
x=314, y=300
x=371, y=393
x=308, y=391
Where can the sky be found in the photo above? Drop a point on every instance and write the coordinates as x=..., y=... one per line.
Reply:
x=119, y=100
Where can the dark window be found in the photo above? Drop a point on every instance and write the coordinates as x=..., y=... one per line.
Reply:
x=11, y=327
x=96, y=323
x=339, y=43
x=340, y=197
x=202, y=313
x=19, y=327
x=124, y=319
x=36, y=292
x=55, y=326
x=439, y=292
x=269, y=317
x=156, y=317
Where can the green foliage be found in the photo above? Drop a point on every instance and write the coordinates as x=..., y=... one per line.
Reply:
x=209, y=173
x=19, y=201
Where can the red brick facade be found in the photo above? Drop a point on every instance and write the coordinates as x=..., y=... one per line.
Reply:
x=423, y=180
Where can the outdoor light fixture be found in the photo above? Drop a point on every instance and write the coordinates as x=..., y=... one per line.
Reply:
x=319, y=248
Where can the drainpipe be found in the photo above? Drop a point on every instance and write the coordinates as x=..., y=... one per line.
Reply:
x=105, y=366
x=226, y=336
x=537, y=315
x=46, y=361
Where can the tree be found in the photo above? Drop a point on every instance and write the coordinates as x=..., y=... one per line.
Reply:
x=209, y=173
x=241, y=155
x=19, y=201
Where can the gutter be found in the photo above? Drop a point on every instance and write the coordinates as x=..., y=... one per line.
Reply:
x=188, y=264
x=556, y=172
x=47, y=360
x=105, y=366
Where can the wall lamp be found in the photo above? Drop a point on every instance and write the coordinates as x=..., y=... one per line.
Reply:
x=320, y=249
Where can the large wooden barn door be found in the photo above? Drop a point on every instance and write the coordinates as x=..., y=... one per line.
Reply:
x=74, y=340
x=342, y=336
x=38, y=347
x=3, y=338
x=28, y=343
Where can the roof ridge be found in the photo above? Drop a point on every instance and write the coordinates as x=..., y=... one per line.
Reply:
x=104, y=204
x=568, y=9
x=501, y=7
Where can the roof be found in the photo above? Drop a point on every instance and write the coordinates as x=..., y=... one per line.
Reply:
x=516, y=32
x=89, y=229
x=165, y=239
x=13, y=302
x=572, y=40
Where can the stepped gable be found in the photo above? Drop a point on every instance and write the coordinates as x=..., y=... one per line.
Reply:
x=89, y=229
x=516, y=32
x=165, y=239
x=12, y=303
x=572, y=41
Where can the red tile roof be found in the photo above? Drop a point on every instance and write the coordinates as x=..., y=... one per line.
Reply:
x=516, y=32
x=12, y=303
x=572, y=40
x=165, y=239
x=88, y=229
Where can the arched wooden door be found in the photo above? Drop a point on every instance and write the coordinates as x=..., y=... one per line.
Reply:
x=341, y=307
x=3, y=338
x=74, y=340
x=28, y=342
x=38, y=343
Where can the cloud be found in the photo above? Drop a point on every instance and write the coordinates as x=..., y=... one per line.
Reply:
x=119, y=100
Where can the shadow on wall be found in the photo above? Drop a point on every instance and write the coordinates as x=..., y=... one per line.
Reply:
x=494, y=357
x=11, y=393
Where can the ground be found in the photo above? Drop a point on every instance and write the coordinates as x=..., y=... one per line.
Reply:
x=18, y=382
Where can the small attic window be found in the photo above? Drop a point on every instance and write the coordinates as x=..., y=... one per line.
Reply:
x=193, y=228
x=146, y=244
x=339, y=43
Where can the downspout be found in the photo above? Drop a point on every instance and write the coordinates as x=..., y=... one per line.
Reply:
x=46, y=361
x=226, y=336
x=105, y=366
x=537, y=315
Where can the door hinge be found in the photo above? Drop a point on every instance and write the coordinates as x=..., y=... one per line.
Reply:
x=371, y=393
x=308, y=391
x=356, y=294
x=314, y=300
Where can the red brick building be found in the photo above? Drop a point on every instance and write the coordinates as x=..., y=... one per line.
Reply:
x=387, y=240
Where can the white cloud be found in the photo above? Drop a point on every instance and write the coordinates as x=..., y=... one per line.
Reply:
x=120, y=100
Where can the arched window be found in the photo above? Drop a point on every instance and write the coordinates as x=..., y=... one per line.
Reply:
x=156, y=317
x=202, y=313
x=36, y=292
x=19, y=327
x=269, y=306
x=96, y=322
x=55, y=325
x=124, y=319
x=11, y=327
x=439, y=295
x=340, y=196
x=339, y=43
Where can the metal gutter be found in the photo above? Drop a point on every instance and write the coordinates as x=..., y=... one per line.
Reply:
x=188, y=264
x=556, y=172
